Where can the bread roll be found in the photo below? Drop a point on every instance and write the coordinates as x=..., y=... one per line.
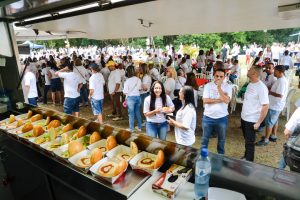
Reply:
x=19, y=123
x=29, y=114
x=111, y=143
x=12, y=119
x=146, y=163
x=111, y=169
x=96, y=155
x=36, y=117
x=54, y=124
x=27, y=127
x=159, y=159
x=84, y=162
x=74, y=147
x=133, y=148
x=37, y=130
x=67, y=128
x=81, y=132
x=95, y=137
x=48, y=120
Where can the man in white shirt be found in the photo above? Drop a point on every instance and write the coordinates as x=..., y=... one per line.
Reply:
x=72, y=85
x=277, y=98
x=267, y=77
x=286, y=60
x=114, y=89
x=30, y=85
x=216, y=97
x=96, y=96
x=254, y=110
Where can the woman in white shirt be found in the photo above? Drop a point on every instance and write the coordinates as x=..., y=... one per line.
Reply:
x=157, y=125
x=185, y=123
x=180, y=82
x=201, y=61
x=146, y=82
x=131, y=89
x=170, y=82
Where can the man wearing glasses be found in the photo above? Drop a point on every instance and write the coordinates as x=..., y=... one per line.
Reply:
x=216, y=97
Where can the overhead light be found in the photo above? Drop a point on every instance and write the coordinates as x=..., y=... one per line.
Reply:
x=93, y=5
x=116, y=1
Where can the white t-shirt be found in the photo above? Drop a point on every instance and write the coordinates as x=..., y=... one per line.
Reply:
x=255, y=96
x=132, y=86
x=113, y=79
x=216, y=110
x=154, y=74
x=180, y=82
x=45, y=73
x=268, y=81
x=71, y=82
x=188, y=118
x=30, y=80
x=169, y=85
x=234, y=70
x=294, y=121
x=53, y=75
x=82, y=73
x=146, y=81
x=105, y=72
x=287, y=61
x=185, y=68
x=280, y=87
x=201, y=61
x=96, y=82
x=159, y=117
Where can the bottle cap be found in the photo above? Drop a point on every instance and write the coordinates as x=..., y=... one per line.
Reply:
x=204, y=152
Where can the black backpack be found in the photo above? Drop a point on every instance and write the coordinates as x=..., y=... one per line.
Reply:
x=291, y=151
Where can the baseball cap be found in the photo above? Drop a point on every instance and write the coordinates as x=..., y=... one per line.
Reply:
x=110, y=63
x=94, y=66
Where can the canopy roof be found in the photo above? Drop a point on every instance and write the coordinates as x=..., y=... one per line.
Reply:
x=175, y=17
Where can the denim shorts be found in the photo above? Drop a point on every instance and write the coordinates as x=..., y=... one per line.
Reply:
x=56, y=85
x=97, y=106
x=71, y=105
x=272, y=118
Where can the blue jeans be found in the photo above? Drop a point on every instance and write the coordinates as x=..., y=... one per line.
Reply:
x=71, y=105
x=210, y=126
x=32, y=101
x=133, y=105
x=84, y=94
x=281, y=164
x=157, y=129
x=97, y=106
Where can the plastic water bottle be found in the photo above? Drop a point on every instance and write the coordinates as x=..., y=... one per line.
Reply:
x=202, y=174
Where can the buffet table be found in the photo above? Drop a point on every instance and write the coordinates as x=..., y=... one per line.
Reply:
x=34, y=173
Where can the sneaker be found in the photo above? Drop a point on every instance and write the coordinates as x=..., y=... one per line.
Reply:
x=262, y=142
x=273, y=139
x=86, y=104
x=144, y=124
x=81, y=104
x=111, y=116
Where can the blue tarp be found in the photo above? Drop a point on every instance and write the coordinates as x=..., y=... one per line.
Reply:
x=34, y=46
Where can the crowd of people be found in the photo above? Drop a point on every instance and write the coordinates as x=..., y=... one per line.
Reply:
x=161, y=83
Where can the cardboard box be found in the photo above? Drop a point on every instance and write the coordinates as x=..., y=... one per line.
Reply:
x=170, y=183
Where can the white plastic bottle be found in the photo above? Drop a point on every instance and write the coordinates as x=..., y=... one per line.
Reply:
x=202, y=174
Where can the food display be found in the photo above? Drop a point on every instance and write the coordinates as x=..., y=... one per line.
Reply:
x=146, y=162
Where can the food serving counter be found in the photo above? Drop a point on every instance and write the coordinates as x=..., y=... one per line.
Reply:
x=34, y=172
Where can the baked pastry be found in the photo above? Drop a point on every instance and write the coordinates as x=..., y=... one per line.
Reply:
x=19, y=123
x=11, y=119
x=54, y=124
x=74, y=147
x=111, y=143
x=29, y=114
x=67, y=128
x=36, y=117
x=166, y=109
x=91, y=159
x=37, y=131
x=48, y=120
x=94, y=137
x=27, y=127
x=150, y=162
x=127, y=156
x=111, y=168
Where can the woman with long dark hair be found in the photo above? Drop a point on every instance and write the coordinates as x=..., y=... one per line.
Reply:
x=185, y=123
x=156, y=106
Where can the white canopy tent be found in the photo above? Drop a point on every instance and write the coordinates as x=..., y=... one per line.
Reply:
x=172, y=17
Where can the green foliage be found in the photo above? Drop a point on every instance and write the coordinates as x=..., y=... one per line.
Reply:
x=204, y=41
